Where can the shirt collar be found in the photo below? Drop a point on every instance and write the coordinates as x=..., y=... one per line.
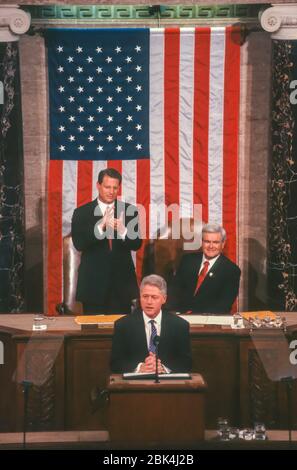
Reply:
x=157, y=319
x=211, y=261
x=103, y=206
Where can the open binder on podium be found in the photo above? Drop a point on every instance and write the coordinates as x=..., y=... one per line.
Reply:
x=146, y=375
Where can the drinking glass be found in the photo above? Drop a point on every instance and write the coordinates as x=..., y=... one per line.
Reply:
x=39, y=323
x=223, y=429
x=260, y=431
x=248, y=434
x=233, y=433
x=237, y=321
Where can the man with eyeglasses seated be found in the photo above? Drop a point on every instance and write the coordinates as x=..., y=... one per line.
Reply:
x=207, y=281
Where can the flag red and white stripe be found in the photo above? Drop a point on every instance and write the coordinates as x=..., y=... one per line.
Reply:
x=194, y=120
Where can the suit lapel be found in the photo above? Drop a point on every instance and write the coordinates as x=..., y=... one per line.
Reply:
x=165, y=332
x=211, y=275
x=95, y=206
x=139, y=334
x=194, y=270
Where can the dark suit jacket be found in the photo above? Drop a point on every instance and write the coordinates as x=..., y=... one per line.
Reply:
x=103, y=272
x=218, y=290
x=129, y=345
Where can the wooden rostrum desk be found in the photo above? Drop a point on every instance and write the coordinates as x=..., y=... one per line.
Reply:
x=168, y=412
x=69, y=363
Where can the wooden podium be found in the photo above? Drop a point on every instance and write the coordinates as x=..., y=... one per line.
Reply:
x=169, y=412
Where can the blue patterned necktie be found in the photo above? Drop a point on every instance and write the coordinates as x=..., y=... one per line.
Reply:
x=152, y=347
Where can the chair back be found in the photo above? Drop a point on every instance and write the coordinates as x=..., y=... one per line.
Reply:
x=71, y=261
x=172, y=243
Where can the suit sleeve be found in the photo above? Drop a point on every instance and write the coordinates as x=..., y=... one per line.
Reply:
x=181, y=359
x=83, y=230
x=120, y=361
x=132, y=240
x=230, y=292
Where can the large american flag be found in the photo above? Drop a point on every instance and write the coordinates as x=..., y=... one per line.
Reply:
x=161, y=106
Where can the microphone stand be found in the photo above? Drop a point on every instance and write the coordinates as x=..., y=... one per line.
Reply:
x=26, y=386
x=289, y=384
x=156, y=343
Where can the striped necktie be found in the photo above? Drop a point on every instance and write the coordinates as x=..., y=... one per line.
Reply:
x=152, y=347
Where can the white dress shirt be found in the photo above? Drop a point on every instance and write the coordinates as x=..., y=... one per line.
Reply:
x=148, y=332
x=211, y=262
x=148, y=326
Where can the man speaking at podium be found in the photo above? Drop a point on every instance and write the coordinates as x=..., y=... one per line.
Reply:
x=136, y=336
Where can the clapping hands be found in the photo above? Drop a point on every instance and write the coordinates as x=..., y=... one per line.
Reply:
x=111, y=224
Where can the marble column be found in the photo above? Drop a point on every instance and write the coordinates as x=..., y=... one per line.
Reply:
x=281, y=22
x=13, y=23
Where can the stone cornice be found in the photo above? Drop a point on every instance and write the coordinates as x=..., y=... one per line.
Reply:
x=13, y=22
x=280, y=20
x=120, y=13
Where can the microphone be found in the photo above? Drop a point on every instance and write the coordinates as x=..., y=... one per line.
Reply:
x=156, y=342
x=27, y=384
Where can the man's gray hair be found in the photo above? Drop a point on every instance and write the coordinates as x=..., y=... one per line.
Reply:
x=154, y=280
x=214, y=228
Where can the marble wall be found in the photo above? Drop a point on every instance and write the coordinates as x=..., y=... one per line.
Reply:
x=254, y=153
x=253, y=166
x=33, y=71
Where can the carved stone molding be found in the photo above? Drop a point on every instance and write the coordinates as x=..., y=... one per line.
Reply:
x=13, y=23
x=280, y=20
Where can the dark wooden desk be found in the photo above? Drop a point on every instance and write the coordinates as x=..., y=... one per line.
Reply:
x=66, y=363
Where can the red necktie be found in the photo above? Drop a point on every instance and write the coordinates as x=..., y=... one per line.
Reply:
x=202, y=276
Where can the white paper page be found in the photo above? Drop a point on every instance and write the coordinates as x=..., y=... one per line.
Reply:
x=209, y=319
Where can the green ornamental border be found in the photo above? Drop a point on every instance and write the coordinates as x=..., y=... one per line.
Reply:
x=107, y=13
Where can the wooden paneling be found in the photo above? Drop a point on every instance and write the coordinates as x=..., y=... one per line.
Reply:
x=41, y=362
x=87, y=368
x=7, y=385
x=216, y=358
x=263, y=393
x=168, y=412
x=68, y=366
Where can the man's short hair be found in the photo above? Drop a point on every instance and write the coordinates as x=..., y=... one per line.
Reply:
x=154, y=280
x=111, y=172
x=214, y=228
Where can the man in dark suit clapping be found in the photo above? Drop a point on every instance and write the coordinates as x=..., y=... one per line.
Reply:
x=207, y=281
x=105, y=230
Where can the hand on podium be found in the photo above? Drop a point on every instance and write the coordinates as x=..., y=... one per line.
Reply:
x=149, y=365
